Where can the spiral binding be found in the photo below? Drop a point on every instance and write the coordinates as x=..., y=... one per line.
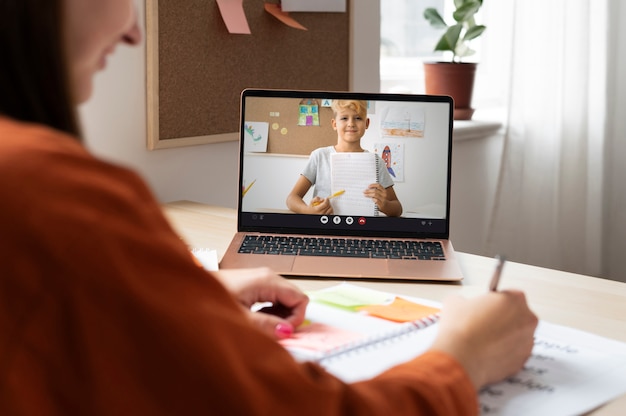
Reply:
x=378, y=340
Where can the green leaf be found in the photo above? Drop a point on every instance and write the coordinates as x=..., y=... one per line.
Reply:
x=465, y=29
x=432, y=15
x=474, y=32
x=443, y=45
x=466, y=11
x=449, y=39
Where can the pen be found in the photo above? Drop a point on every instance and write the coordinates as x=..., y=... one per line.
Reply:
x=493, y=286
x=245, y=191
x=332, y=196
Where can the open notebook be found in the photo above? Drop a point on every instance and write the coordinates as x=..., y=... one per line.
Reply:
x=350, y=173
x=357, y=333
x=407, y=148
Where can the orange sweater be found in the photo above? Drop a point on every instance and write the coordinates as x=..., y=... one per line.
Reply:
x=102, y=310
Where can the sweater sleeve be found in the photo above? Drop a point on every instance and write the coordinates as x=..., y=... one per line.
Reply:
x=104, y=312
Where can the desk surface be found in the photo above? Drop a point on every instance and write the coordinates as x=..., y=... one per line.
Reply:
x=591, y=304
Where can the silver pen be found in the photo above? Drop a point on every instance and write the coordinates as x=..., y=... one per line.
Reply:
x=495, y=279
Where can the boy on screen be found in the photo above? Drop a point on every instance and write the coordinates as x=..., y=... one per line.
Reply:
x=350, y=121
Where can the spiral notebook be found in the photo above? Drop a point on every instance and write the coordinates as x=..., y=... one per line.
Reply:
x=350, y=173
x=357, y=333
x=347, y=326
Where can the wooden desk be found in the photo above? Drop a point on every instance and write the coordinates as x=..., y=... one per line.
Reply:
x=591, y=304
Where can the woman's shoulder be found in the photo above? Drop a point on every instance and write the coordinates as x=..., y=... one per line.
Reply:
x=35, y=157
x=19, y=138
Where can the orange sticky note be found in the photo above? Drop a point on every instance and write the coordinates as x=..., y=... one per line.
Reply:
x=400, y=310
x=234, y=16
x=276, y=11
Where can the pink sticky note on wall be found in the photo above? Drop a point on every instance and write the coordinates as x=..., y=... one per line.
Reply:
x=234, y=16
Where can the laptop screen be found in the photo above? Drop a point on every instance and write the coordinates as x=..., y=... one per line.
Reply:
x=289, y=142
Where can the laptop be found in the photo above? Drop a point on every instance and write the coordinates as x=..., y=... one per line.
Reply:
x=412, y=134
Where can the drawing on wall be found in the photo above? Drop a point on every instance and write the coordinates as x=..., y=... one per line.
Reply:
x=255, y=136
x=403, y=121
x=308, y=113
x=393, y=155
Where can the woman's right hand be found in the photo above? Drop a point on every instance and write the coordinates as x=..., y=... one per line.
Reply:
x=490, y=335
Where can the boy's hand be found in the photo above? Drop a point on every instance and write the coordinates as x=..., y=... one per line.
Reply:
x=321, y=206
x=378, y=194
x=385, y=199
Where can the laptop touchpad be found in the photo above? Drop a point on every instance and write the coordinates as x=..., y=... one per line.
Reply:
x=339, y=266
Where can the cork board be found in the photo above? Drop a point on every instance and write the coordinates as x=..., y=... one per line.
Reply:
x=196, y=69
x=285, y=135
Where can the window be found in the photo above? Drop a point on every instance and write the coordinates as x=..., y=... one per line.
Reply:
x=407, y=40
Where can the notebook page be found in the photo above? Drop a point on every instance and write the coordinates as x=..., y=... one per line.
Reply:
x=370, y=361
x=570, y=372
x=353, y=173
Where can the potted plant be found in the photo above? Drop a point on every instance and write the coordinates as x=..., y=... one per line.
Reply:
x=455, y=78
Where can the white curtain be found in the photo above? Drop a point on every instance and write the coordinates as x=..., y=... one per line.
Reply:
x=548, y=205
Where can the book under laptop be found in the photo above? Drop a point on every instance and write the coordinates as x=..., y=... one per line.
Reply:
x=408, y=141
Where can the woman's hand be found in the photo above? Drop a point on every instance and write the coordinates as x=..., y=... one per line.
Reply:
x=490, y=335
x=250, y=286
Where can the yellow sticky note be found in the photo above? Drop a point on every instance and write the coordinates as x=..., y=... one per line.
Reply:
x=400, y=310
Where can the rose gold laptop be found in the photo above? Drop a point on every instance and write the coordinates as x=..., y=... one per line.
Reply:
x=412, y=134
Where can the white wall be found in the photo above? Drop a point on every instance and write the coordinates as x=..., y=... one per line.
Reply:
x=615, y=173
x=475, y=168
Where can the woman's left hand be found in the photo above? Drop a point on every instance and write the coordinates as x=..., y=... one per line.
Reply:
x=250, y=286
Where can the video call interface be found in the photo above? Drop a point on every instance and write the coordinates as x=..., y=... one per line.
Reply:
x=409, y=136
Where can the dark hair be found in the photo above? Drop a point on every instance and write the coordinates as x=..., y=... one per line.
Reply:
x=34, y=74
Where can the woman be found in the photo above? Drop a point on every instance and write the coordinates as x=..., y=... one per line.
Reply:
x=102, y=309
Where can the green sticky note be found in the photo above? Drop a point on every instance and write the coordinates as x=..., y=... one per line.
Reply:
x=350, y=297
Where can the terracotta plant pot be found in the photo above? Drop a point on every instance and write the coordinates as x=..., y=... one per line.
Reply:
x=455, y=80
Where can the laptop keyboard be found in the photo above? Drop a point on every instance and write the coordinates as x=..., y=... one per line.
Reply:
x=342, y=247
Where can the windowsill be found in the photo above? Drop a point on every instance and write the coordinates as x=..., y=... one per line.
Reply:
x=486, y=122
x=474, y=129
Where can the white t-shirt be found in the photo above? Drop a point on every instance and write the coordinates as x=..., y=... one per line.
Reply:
x=317, y=171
